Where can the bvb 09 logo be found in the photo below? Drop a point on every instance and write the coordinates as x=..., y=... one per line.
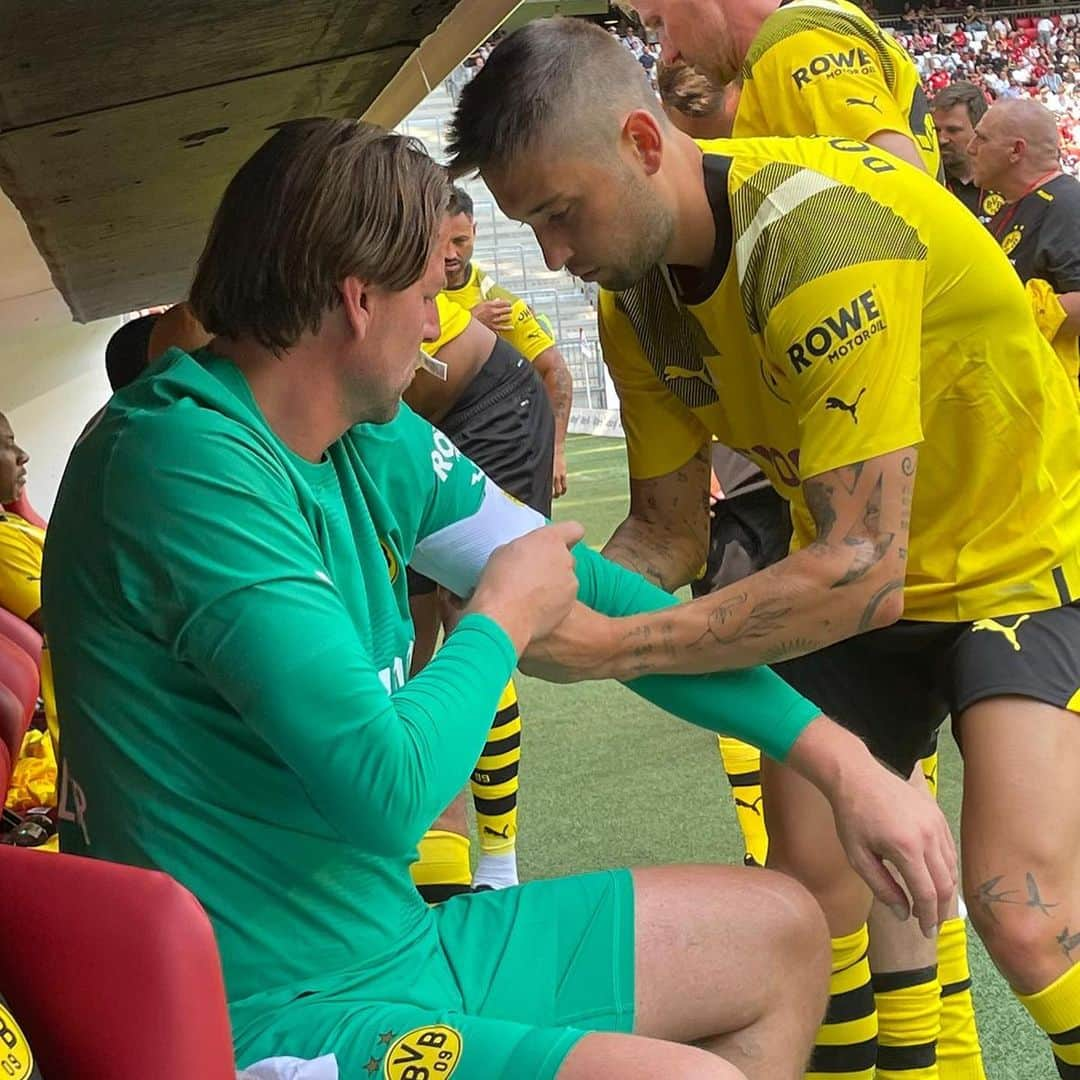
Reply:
x=1011, y=239
x=16, y=1061
x=427, y=1053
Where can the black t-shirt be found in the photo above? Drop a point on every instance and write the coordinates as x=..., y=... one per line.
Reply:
x=1041, y=234
x=978, y=200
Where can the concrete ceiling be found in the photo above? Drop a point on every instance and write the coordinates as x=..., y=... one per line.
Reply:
x=121, y=123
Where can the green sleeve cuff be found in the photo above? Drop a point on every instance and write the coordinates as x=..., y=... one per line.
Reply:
x=502, y=648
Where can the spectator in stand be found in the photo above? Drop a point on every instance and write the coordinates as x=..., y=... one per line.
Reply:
x=956, y=111
x=1045, y=28
x=1015, y=152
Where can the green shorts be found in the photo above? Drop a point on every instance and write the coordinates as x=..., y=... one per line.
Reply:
x=502, y=986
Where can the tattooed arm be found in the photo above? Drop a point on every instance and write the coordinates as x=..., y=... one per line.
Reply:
x=559, y=386
x=665, y=537
x=848, y=581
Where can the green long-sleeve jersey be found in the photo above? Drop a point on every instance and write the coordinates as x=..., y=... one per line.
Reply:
x=231, y=638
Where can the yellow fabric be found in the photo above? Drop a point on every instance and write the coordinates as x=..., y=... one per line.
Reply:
x=850, y=975
x=959, y=1052
x=21, y=548
x=929, y=766
x=33, y=779
x=824, y=67
x=1049, y=315
x=526, y=335
x=453, y=321
x=908, y=1019
x=443, y=859
x=878, y=290
x=742, y=763
x=496, y=778
x=1057, y=1011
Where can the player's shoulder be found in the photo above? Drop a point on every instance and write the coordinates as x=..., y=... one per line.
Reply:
x=1064, y=192
x=802, y=20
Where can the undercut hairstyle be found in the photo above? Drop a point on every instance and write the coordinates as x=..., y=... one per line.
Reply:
x=687, y=91
x=460, y=202
x=320, y=201
x=962, y=93
x=553, y=77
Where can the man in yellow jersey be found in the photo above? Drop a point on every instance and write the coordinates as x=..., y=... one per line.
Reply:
x=807, y=67
x=512, y=319
x=490, y=403
x=919, y=991
x=833, y=313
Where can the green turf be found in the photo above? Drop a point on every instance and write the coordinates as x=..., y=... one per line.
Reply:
x=608, y=780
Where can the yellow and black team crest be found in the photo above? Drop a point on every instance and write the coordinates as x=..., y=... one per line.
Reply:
x=992, y=203
x=1011, y=239
x=392, y=567
x=425, y=1053
x=16, y=1060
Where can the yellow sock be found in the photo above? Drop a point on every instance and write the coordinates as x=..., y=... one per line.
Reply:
x=443, y=868
x=930, y=771
x=909, y=1023
x=742, y=764
x=959, y=1053
x=495, y=778
x=1057, y=1011
x=846, y=1046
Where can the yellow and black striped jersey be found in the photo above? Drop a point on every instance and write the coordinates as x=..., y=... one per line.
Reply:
x=528, y=334
x=854, y=308
x=824, y=67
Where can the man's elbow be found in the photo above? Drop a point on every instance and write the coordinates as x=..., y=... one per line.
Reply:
x=883, y=604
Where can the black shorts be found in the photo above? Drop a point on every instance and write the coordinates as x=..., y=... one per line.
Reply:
x=747, y=532
x=504, y=423
x=894, y=687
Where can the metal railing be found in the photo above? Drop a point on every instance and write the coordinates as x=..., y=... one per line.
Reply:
x=989, y=13
x=583, y=358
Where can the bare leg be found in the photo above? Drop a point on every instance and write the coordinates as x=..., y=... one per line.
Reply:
x=716, y=949
x=633, y=1057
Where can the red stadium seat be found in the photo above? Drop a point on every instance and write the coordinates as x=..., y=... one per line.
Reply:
x=22, y=507
x=111, y=971
x=20, y=675
x=22, y=634
x=1025, y=23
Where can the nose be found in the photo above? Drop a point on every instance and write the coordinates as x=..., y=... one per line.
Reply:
x=431, y=321
x=21, y=456
x=555, y=253
x=668, y=53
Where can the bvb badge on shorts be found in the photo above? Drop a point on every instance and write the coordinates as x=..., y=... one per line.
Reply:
x=16, y=1060
x=425, y=1053
x=1011, y=239
x=391, y=560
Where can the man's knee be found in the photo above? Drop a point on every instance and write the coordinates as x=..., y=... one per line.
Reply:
x=1021, y=940
x=799, y=934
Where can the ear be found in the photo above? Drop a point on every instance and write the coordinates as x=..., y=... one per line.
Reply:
x=356, y=305
x=642, y=132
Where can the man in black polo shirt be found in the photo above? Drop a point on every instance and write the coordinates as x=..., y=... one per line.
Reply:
x=1015, y=151
x=956, y=110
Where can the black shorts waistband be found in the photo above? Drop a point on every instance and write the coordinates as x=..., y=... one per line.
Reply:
x=504, y=373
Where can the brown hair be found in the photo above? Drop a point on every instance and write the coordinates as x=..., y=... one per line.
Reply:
x=553, y=77
x=687, y=91
x=962, y=93
x=320, y=201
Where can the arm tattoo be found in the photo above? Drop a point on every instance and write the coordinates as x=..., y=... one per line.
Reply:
x=867, y=620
